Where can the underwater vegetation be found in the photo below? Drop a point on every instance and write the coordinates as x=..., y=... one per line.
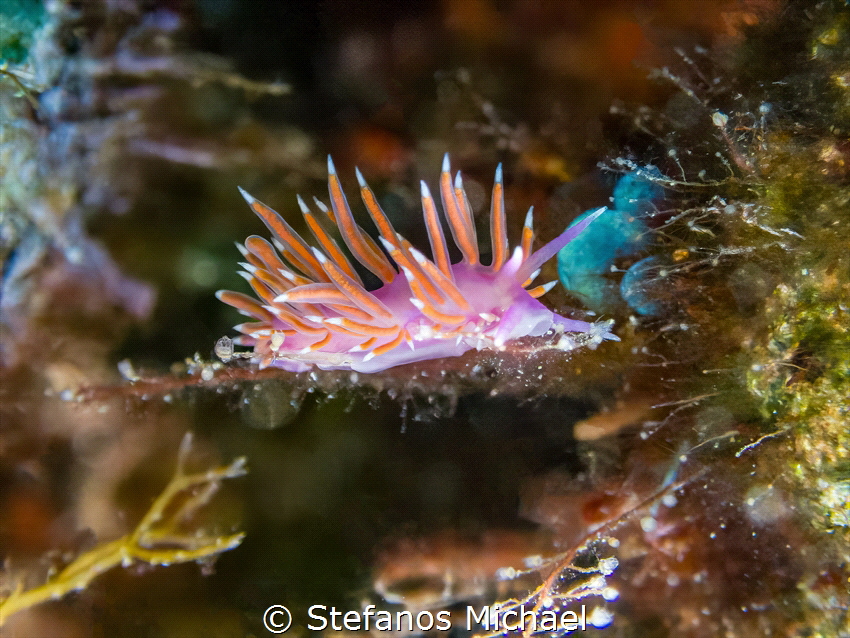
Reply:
x=162, y=537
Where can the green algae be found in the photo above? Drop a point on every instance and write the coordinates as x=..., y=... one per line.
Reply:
x=18, y=20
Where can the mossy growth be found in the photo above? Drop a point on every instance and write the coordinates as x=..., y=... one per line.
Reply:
x=801, y=375
x=800, y=366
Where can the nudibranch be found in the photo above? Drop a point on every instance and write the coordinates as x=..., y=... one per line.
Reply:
x=313, y=309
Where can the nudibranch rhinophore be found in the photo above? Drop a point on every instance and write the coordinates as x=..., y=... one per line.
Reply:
x=313, y=310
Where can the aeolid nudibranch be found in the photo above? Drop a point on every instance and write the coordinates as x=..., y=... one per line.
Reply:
x=313, y=309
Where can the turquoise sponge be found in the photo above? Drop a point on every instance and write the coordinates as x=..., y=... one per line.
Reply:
x=620, y=232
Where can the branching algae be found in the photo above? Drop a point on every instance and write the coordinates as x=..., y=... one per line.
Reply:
x=162, y=537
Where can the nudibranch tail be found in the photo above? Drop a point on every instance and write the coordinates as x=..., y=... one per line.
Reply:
x=312, y=308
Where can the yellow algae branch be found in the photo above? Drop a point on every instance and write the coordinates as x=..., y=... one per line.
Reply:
x=157, y=540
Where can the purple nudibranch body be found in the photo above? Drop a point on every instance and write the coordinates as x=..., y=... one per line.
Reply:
x=312, y=309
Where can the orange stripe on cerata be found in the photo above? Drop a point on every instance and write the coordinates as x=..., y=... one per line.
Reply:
x=441, y=281
x=304, y=259
x=390, y=345
x=296, y=279
x=385, y=228
x=366, y=254
x=355, y=292
x=379, y=257
x=329, y=245
x=263, y=291
x=539, y=291
x=468, y=245
x=261, y=250
x=264, y=251
x=303, y=267
x=344, y=331
x=426, y=287
x=256, y=265
x=418, y=292
x=327, y=211
x=252, y=327
x=255, y=261
x=272, y=282
x=435, y=315
x=314, y=293
x=302, y=324
x=435, y=231
x=498, y=224
x=321, y=343
x=366, y=345
x=358, y=314
x=451, y=208
x=362, y=328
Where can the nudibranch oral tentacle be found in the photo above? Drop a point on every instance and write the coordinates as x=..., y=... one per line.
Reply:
x=312, y=308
